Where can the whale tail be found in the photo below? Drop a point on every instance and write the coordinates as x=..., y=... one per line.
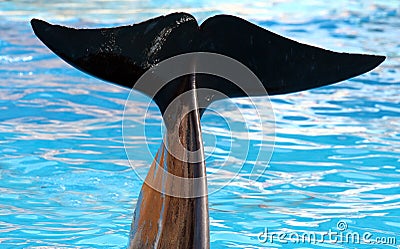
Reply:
x=121, y=55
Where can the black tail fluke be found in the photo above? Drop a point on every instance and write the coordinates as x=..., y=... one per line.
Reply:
x=119, y=55
x=282, y=65
x=122, y=54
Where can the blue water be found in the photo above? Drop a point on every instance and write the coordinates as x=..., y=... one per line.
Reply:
x=65, y=180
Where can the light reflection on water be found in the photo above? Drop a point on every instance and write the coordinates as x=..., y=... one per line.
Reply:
x=64, y=177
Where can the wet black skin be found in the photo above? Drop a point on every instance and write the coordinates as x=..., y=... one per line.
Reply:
x=122, y=54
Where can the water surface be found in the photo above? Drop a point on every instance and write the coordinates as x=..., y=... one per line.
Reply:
x=66, y=181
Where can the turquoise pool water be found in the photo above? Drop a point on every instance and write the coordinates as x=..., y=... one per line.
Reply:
x=65, y=179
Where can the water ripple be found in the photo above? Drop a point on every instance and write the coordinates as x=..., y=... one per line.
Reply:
x=65, y=181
